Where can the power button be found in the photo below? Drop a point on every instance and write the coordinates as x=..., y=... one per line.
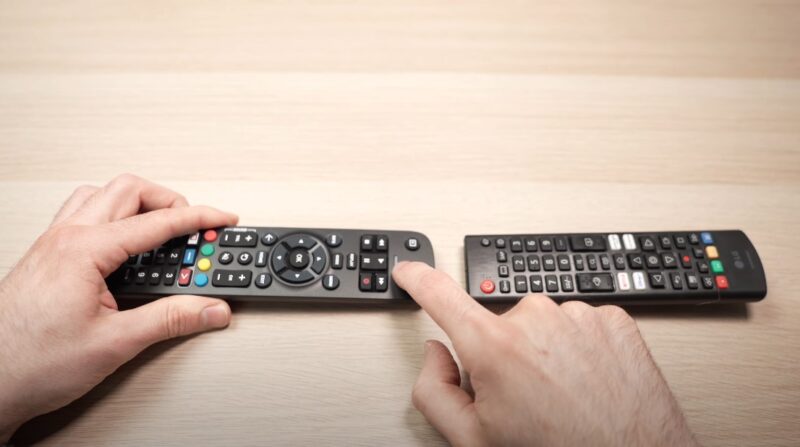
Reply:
x=487, y=286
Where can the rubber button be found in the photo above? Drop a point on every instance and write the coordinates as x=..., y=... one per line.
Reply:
x=722, y=282
x=716, y=266
x=207, y=250
x=711, y=252
x=210, y=236
x=200, y=280
x=204, y=264
x=487, y=286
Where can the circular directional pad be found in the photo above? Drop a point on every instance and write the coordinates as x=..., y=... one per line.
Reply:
x=299, y=259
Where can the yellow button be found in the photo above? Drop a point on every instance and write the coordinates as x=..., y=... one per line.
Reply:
x=204, y=264
x=711, y=252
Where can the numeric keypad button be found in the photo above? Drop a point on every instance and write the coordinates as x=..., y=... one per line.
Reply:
x=563, y=263
x=567, y=284
x=545, y=244
x=147, y=258
x=518, y=263
x=502, y=256
x=516, y=244
x=534, y=263
x=549, y=263
x=520, y=284
x=169, y=277
x=536, y=283
x=531, y=244
x=160, y=256
x=141, y=275
x=154, y=275
x=551, y=283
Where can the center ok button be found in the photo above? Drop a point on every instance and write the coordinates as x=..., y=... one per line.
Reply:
x=299, y=259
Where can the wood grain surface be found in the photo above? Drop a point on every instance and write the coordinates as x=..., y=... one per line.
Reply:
x=445, y=117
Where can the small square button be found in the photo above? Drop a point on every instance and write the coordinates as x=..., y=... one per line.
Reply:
x=707, y=238
x=716, y=266
x=722, y=282
x=711, y=252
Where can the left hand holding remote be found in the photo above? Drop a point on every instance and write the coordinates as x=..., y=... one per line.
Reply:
x=60, y=327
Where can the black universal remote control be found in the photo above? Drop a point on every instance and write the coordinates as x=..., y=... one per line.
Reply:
x=274, y=264
x=624, y=268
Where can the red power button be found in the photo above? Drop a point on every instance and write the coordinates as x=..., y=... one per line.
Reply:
x=487, y=286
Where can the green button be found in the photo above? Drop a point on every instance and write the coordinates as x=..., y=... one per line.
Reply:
x=716, y=266
x=208, y=250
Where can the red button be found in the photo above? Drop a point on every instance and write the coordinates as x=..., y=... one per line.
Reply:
x=185, y=277
x=722, y=282
x=210, y=236
x=686, y=259
x=487, y=286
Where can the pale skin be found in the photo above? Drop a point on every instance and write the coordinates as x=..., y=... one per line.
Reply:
x=541, y=374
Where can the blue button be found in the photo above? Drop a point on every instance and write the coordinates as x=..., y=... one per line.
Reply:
x=200, y=280
x=189, y=255
x=706, y=237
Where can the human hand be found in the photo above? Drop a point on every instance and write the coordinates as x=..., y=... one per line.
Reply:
x=541, y=374
x=60, y=327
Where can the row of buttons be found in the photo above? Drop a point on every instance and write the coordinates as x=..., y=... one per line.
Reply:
x=373, y=267
x=637, y=261
x=597, y=243
x=603, y=282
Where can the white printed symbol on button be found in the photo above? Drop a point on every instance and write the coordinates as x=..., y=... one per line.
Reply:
x=242, y=277
x=596, y=281
x=248, y=238
x=298, y=258
x=380, y=281
x=380, y=260
x=588, y=241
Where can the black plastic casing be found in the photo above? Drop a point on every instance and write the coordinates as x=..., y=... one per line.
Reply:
x=279, y=290
x=743, y=269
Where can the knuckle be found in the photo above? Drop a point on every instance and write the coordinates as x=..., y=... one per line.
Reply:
x=616, y=315
x=84, y=190
x=124, y=181
x=536, y=302
x=175, y=321
x=419, y=395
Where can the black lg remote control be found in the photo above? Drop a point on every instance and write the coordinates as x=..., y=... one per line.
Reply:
x=265, y=264
x=623, y=268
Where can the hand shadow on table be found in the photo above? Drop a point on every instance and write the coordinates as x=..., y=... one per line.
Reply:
x=39, y=428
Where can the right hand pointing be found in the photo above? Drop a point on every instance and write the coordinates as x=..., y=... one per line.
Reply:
x=542, y=374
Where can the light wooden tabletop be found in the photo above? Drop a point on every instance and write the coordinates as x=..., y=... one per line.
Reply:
x=443, y=117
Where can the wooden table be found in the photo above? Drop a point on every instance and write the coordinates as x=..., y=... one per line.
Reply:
x=444, y=117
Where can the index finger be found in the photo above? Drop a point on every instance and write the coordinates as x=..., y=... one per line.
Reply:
x=143, y=232
x=442, y=298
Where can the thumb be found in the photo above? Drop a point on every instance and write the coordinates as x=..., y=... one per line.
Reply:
x=439, y=397
x=170, y=317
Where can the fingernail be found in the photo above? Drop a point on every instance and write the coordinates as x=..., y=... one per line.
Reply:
x=216, y=316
